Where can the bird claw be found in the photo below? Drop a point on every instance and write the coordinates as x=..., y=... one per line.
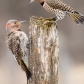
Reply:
x=54, y=22
x=28, y=45
x=54, y=18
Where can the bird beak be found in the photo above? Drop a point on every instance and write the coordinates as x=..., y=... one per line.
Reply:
x=30, y=2
x=23, y=21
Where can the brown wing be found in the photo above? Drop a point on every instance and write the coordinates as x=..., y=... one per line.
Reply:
x=57, y=4
x=13, y=45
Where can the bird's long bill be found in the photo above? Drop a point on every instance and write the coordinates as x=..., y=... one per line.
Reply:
x=30, y=2
x=22, y=21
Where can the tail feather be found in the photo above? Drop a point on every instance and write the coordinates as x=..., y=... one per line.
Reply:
x=25, y=68
x=78, y=18
x=23, y=65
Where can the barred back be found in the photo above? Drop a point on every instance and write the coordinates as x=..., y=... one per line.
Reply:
x=59, y=13
x=57, y=4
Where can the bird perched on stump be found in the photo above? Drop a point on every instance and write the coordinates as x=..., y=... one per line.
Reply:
x=17, y=42
x=60, y=9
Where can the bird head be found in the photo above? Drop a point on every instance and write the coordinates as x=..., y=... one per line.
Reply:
x=40, y=1
x=13, y=25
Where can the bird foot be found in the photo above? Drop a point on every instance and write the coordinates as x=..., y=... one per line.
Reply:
x=28, y=45
x=54, y=18
x=54, y=22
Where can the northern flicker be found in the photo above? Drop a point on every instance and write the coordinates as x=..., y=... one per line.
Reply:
x=17, y=42
x=60, y=9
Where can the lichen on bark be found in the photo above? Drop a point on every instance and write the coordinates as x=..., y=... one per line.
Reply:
x=43, y=56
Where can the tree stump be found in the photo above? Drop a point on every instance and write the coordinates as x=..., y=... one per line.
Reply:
x=43, y=56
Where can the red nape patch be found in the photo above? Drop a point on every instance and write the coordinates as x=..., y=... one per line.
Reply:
x=7, y=24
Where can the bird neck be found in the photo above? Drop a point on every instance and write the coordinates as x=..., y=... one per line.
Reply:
x=42, y=3
x=9, y=33
x=19, y=30
x=12, y=29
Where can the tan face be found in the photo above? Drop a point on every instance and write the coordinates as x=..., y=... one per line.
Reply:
x=12, y=25
x=15, y=24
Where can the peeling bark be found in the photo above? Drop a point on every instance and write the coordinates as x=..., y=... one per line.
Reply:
x=43, y=56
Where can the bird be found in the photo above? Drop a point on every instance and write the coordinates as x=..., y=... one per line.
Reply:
x=60, y=9
x=17, y=42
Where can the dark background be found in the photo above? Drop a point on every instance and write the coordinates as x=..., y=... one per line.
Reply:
x=71, y=39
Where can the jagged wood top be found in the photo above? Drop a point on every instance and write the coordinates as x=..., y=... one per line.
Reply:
x=41, y=21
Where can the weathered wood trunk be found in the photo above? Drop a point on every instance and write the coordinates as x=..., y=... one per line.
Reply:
x=43, y=56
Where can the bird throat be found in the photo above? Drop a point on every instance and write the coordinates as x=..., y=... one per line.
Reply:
x=42, y=3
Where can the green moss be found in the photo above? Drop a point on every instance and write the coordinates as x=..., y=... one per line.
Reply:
x=41, y=22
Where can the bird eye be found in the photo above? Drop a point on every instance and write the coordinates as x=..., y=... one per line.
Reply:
x=14, y=22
